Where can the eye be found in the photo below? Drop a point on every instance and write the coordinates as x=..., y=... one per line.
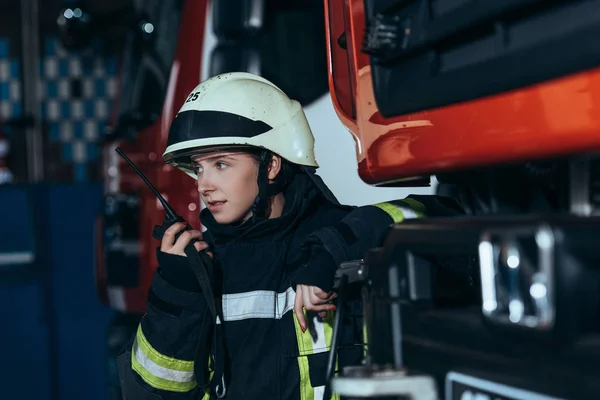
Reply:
x=198, y=169
x=221, y=165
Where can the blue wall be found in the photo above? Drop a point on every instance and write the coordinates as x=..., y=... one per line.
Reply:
x=53, y=326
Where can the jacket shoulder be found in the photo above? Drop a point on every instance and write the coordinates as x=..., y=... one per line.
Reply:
x=324, y=214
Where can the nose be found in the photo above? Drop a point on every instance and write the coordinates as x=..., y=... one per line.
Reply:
x=205, y=183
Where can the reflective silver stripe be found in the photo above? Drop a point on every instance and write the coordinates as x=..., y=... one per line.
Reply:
x=265, y=304
x=158, y=371
x=319, y=392
x=319, y=345
x=408, y=212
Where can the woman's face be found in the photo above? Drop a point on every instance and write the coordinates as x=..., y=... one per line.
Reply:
x=227, y=183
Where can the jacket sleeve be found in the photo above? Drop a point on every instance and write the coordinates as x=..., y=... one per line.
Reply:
x=360, y=230
x=158, y=363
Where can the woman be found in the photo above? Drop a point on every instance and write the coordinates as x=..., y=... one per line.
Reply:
x=276, y=235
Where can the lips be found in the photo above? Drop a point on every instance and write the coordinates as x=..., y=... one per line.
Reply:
x=215, y=205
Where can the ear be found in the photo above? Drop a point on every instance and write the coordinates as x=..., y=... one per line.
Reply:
x=274, y=167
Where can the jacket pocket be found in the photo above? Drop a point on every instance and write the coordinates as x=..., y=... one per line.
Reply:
x=304, y=360
x=317, y=368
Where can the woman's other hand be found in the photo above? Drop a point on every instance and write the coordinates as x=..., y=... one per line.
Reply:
x=312, y=298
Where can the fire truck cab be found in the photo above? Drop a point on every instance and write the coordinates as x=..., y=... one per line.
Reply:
x=499, y=101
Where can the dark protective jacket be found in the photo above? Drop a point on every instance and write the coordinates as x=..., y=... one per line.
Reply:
x=256, y=269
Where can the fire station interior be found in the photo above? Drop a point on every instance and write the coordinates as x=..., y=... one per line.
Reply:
x=491, y=105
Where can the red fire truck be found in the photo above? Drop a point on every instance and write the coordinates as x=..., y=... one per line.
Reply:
x=161, y=63
x=499, y=100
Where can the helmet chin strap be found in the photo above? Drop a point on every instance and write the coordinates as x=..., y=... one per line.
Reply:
x=265, y=190
x=259, y=208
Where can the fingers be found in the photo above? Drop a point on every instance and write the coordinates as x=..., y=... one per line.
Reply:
x=317, y=296
x=200, y=245
x=169, y=236
x=298, y=308
x=312, y=298
x=321, y=307
x=184, y=239
x=177, y=246
x=312, y=302
x=320, y=293
x=318, y=300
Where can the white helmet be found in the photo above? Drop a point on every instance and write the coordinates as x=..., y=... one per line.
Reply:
x=239, y=109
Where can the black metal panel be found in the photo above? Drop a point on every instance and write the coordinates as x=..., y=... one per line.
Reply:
x=431, y=53
x=446, y=327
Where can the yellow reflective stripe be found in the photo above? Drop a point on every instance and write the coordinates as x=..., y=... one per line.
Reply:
x=417, y=207
x=160, y=383
x=161, y=359
x=304, y=348
x=392, y=211
x=399, y=210
x=158, y=370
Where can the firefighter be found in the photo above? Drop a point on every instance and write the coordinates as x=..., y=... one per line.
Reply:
x=275, y=234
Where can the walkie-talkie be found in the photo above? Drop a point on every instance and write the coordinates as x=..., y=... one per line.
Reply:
x=170, y=217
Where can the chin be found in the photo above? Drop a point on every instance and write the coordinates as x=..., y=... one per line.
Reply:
x=222, y=219
x=232, y=219
x=227, y=220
